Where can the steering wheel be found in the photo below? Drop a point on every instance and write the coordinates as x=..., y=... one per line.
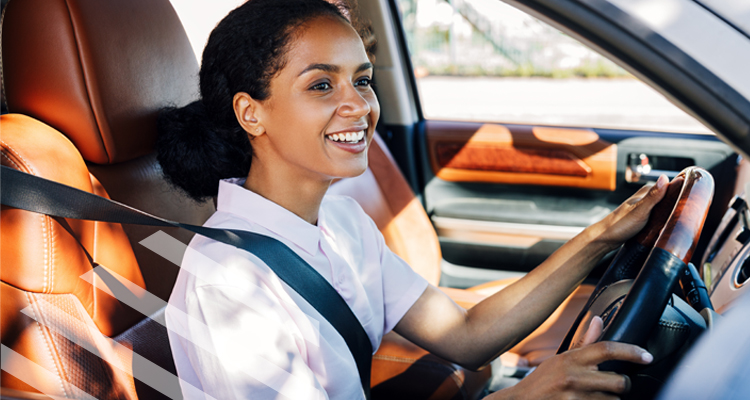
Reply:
x=637, y=287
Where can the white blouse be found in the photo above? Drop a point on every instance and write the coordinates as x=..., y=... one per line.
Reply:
x=238, y=332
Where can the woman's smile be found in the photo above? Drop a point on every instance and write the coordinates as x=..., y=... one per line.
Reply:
x=352, y=141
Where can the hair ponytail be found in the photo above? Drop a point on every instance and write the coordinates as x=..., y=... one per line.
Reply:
x=195, y=153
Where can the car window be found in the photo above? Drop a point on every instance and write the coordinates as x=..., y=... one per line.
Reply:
x=483, y=60
x=200, y=17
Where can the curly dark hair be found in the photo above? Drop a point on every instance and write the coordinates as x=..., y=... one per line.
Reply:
x=203, y=142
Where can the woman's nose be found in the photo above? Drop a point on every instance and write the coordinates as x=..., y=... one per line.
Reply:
x=354, y=104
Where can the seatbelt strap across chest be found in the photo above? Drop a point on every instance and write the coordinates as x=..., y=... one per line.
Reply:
x=32, y=193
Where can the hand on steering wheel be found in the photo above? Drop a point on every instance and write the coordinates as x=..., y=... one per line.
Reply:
x=574, y=374
x=621, y=313
x=654, y=258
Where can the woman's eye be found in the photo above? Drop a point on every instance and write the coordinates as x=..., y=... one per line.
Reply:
x=365, y=82
x=321, y=86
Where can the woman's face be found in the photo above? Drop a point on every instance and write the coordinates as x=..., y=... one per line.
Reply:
x=322, y=111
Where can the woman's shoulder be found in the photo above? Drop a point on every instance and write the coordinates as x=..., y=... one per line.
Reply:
x=214, y=263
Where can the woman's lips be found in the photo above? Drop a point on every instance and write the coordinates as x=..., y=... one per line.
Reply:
x=351, y=137
x=353, y=142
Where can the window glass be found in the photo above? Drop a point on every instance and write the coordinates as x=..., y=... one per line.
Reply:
x=199, y=17
x=484, y=60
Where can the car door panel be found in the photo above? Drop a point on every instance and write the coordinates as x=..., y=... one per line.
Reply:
x=475, y=152
x=504, y=197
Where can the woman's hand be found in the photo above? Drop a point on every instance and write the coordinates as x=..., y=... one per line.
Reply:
x=575, y=373
x=471, y=338
x=631, y=216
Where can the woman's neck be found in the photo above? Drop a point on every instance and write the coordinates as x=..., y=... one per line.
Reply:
x=288, y=189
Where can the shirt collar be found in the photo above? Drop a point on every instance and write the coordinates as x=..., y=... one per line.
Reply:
x=235, y=199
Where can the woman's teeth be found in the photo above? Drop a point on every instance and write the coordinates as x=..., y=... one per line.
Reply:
x=350, y=137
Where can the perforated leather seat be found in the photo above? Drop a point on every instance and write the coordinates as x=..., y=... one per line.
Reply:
x=96, y=72
x=85, y=79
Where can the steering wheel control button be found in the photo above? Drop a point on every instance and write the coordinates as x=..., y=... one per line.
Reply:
x=693, y=297
x=694, y=290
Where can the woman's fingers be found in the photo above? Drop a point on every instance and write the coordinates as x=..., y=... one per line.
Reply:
x=656, y=192
x=603, y=382
x=574, y=374
x=606, y=382
x=594, y=332
x=598, y=353
x=647, y=189
x=650, y=195
x=642, y=191
x=632, y=215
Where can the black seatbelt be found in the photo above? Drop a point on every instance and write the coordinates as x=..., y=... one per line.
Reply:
x=32, y=193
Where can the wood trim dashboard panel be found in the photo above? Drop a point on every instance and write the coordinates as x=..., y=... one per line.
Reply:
x=512, y=154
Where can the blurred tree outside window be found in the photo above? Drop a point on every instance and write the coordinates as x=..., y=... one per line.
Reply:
x=484, y=60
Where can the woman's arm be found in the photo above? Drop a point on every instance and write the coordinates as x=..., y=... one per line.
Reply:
x=473, y=338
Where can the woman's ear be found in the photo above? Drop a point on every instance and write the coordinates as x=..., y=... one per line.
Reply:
x=244, y=109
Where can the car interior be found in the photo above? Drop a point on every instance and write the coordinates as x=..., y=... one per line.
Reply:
x=471, y=206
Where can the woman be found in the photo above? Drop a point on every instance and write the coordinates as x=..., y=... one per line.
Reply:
x=287, y=106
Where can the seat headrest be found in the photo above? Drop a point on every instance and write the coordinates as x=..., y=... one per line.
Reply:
x=97, y=70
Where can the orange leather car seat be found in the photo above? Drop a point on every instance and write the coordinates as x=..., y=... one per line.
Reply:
x=98, y=71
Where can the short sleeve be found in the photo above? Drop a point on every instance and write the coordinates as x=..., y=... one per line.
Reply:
x=402, y=286
x=240, y=348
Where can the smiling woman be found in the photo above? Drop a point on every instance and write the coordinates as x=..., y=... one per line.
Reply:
x=287, y=107
x=308, y=95
x=318, y=119
x=82, y=301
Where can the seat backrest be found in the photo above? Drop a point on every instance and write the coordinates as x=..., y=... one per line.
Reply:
x=95, y=73
x=62, y=328
x=99, y=71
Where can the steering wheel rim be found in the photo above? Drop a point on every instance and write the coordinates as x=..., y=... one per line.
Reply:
x=654, y=258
